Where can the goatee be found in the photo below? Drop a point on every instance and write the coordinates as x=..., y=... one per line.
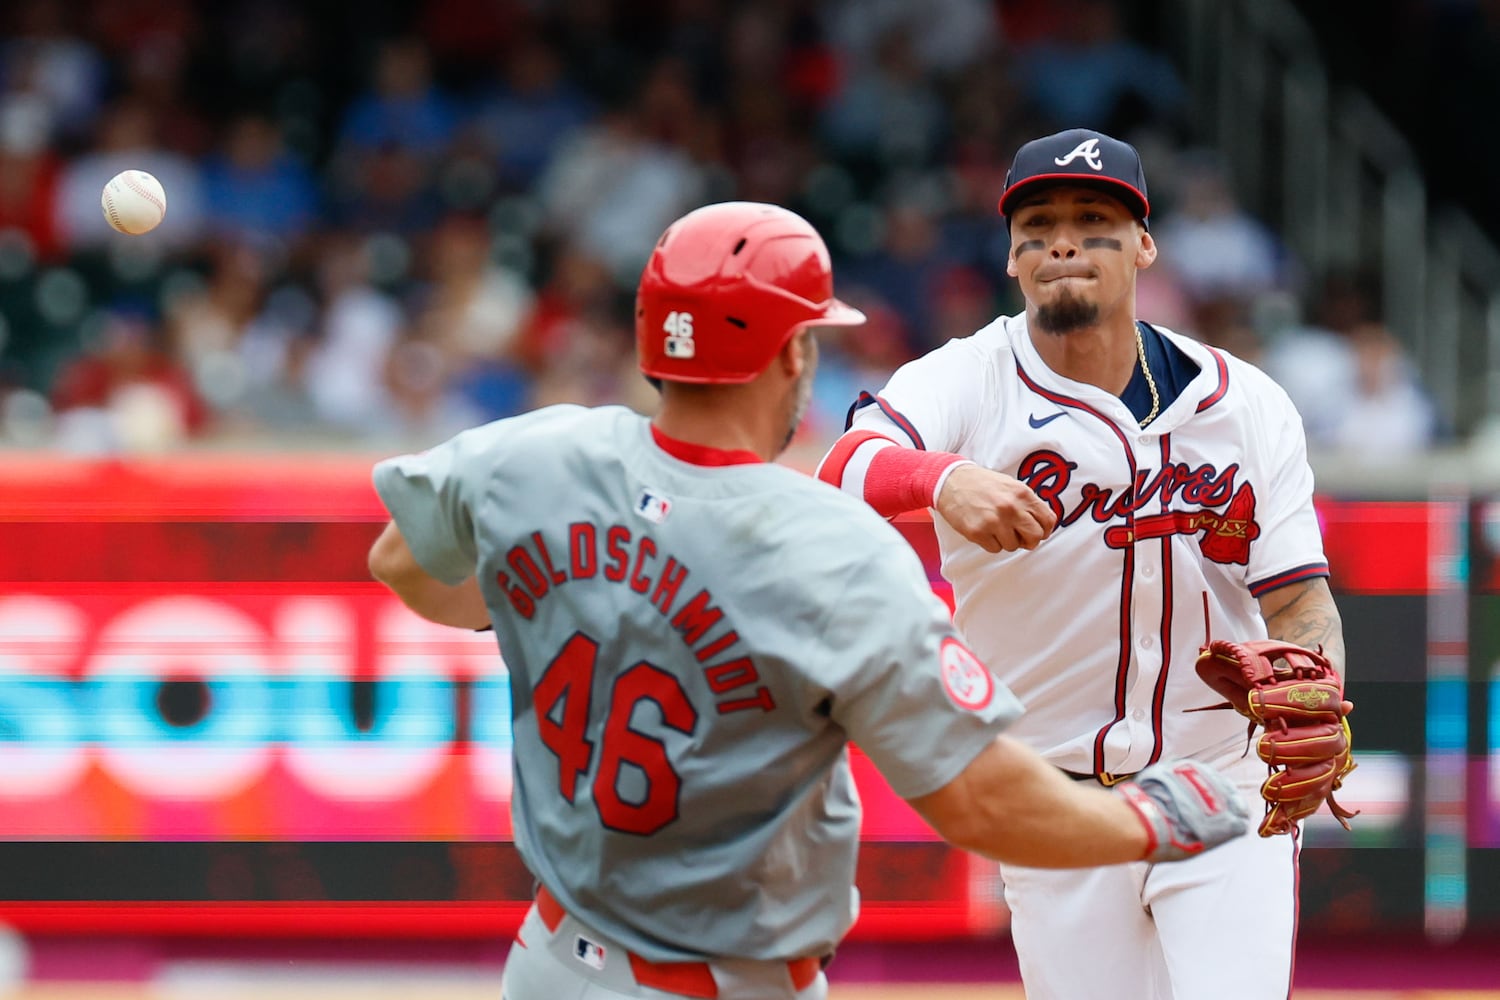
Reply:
x=1066, y=315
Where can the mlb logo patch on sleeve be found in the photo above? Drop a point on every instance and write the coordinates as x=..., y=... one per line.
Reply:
x=588, y=952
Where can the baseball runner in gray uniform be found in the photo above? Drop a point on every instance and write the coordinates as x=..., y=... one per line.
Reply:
x=693, y=636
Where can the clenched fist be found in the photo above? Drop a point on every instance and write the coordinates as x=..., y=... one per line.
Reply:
x=999, y=513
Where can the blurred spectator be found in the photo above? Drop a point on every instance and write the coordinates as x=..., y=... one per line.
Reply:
x=597, y=366
x=774, y=87
x=1089, y=73
x=671, y=115
x=411, y=216
x=1159, y=294
x=473, y=310
x=612, y=190
x=1216, y=247
x=346, y=368
x=44, y=57
x=906, y=271
x=532, y=111
x=126, y=392
x=385, y=190
x=221, y=334
x=155, y=74
x=579, y=291
x=282, y=403
x=888, y=112
x=852, y=360
x=468, y=34
x=946, y=36
x=769, y=153
x=423, y=406
x=1224, y=321
x=254, y=189
x=381, y=175
x=402, y=107
x=580, y=344
x=1357, y=392
x=962, y=302
x=127, y=141
x=1390, y=416
x=29, y=172
x=972, y=228
x=124, y=26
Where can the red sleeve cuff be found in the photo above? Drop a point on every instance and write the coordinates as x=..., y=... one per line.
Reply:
x=903, y=479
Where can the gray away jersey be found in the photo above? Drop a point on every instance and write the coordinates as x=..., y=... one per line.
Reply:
x=690, y=647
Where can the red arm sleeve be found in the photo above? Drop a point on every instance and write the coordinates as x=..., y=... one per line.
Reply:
x=896, y=479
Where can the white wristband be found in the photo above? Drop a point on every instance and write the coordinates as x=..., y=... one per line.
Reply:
x=937, y=489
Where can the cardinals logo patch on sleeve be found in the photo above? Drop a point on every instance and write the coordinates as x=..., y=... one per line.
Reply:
x=968, y=681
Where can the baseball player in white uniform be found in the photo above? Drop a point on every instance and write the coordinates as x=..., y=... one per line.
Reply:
x=1108, y=495
x=693, y=634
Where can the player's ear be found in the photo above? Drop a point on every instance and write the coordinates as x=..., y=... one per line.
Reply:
x=1145, y=254
x=798, y=353
x=1010, y=263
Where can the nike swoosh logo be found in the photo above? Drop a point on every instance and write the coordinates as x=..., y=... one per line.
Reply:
x=1033, y=421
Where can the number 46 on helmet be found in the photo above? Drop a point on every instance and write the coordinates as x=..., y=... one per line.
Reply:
x=726, y=287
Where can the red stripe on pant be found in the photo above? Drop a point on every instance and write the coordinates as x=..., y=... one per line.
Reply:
x=688, y=979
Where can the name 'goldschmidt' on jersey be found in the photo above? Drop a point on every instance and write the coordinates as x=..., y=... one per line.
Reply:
x=632, y=559
x=691, y=646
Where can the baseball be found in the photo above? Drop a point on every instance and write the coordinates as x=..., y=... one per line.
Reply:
x=134, y=202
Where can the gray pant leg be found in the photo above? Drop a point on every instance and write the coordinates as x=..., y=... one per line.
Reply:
x=545, y=969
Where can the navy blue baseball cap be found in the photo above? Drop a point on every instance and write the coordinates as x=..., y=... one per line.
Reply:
x=1078, y=156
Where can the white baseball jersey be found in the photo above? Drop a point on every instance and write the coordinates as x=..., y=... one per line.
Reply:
x=1166, y=535
x=692, y=637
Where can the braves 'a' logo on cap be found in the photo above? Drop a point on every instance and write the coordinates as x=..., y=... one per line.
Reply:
x=1088, y=149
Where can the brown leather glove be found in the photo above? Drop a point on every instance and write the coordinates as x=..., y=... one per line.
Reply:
x=1297, y=698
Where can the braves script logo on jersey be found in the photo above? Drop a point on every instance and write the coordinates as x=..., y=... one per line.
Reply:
x=967, y=681
x=1227, y=535
x=1089, y=150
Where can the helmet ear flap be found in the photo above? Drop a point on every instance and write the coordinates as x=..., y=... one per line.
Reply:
x=726, y=287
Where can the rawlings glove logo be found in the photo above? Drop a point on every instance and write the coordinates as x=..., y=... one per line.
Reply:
x=1308, y=697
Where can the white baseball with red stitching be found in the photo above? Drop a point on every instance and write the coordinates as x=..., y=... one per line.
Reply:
x=134, y=202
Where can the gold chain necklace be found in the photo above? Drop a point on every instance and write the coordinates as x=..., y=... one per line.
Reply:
x=1140, y=349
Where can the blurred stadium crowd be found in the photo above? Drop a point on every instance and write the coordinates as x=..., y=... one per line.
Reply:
x=387, y=221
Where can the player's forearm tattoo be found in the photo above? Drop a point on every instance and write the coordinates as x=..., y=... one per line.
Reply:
x=1026, y=245
x=1103, y=243
x=1310, y=619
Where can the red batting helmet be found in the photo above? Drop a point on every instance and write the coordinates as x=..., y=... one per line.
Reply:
x=726, y=287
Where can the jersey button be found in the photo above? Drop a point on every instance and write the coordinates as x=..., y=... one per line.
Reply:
x=1147, y=642
x=1148, y=572
x=1138, y=714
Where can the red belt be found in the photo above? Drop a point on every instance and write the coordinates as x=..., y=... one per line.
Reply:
x=688, y=979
